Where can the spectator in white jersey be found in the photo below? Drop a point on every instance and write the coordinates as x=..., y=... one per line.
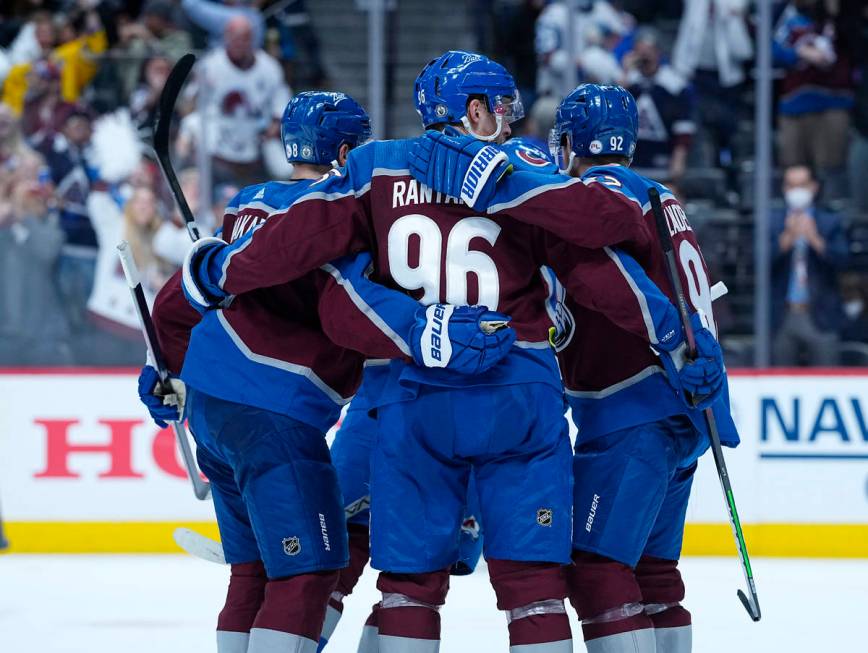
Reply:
x=243, y=96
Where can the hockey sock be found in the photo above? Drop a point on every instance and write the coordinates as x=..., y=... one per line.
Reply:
x=243, y=600
x=409, y=617
x=347, y=579
x=662, y=592
x=532, y=594
x=369, y=641
x=607, y=598
x=292, y=613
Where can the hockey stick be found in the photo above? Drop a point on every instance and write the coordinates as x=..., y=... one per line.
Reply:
x=168, y=97
x=200, y=488
x=204, y=548
x=750, y=604
x=166, y=108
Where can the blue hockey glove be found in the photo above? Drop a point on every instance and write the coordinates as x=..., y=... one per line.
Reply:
x=469, y=547
x=162, y=407
x=700, y=382
x=459, y=165
x=201, y=291
x=466, y=339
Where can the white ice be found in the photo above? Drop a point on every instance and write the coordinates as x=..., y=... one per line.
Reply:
x=168, y=604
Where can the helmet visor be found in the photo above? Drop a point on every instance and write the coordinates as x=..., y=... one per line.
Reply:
x=561, y=149
x=508, y=106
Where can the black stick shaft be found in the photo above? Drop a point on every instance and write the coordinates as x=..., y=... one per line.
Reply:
x=168, y=97
x=200, y=488
x=665, y=237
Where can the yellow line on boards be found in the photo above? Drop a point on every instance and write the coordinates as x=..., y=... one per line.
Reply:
x=776, y=540
x=99, y=537
x=780, y=540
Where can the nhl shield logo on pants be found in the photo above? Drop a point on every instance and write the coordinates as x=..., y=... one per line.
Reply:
x=544, y=516
x=291, y=545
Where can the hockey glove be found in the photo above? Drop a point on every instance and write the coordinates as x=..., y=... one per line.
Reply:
x=700, y=382
x=465, y=339
x=163, y=408
x=196, y=274
x=459, y=165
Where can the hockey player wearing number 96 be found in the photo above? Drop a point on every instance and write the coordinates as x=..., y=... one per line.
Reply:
x=639, y=437
x=504, y=426
x=264, y=381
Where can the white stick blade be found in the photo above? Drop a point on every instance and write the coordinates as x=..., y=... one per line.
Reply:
x=199, y=546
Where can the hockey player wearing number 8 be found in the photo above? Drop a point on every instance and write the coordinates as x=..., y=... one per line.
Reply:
x=263, y=384
x=639, y=437
x=505, y=426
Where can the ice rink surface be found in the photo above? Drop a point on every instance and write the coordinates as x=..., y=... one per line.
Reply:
x=168, y=604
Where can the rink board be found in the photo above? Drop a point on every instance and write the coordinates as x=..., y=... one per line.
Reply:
x=83, y=469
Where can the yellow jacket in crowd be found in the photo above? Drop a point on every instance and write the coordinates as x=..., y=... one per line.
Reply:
x=78, y=64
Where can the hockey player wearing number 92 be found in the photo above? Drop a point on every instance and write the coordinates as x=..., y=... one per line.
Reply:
x=638, y=437
x=506, y=426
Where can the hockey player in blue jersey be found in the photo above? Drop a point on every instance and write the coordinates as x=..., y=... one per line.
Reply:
x=507, y=426
x=638, y=441
x=263, y=384
x=354, y=443
x=351, y=454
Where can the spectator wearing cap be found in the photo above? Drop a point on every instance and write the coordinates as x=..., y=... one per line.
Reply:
x=665, y=104
x=33, y=327
x=213, y=17
x=65, y=154
x=816, y=91
x=808, y=249
x=242, y=95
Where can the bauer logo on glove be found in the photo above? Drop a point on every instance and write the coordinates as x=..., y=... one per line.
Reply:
x=464, y=339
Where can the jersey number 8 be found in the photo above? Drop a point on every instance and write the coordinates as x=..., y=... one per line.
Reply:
x=460, y=259
x=698, y=287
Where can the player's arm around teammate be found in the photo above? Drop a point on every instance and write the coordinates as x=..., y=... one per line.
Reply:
x=638, y=440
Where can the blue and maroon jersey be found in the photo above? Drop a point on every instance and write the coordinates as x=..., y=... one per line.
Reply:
x=613, y=379
x=270, y=347
x=807, y=88
x=435, y=249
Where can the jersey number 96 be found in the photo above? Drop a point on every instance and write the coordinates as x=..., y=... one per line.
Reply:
x=460, y=259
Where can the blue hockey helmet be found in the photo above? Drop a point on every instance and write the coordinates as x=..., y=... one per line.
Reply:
x=594, y=120
x=446, y=85
x=316, y=123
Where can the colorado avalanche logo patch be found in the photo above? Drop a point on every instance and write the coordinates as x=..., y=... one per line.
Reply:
x=532, y=156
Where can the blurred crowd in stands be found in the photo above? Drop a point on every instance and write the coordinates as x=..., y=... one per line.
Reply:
x=690, y=66
x=80, y=81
